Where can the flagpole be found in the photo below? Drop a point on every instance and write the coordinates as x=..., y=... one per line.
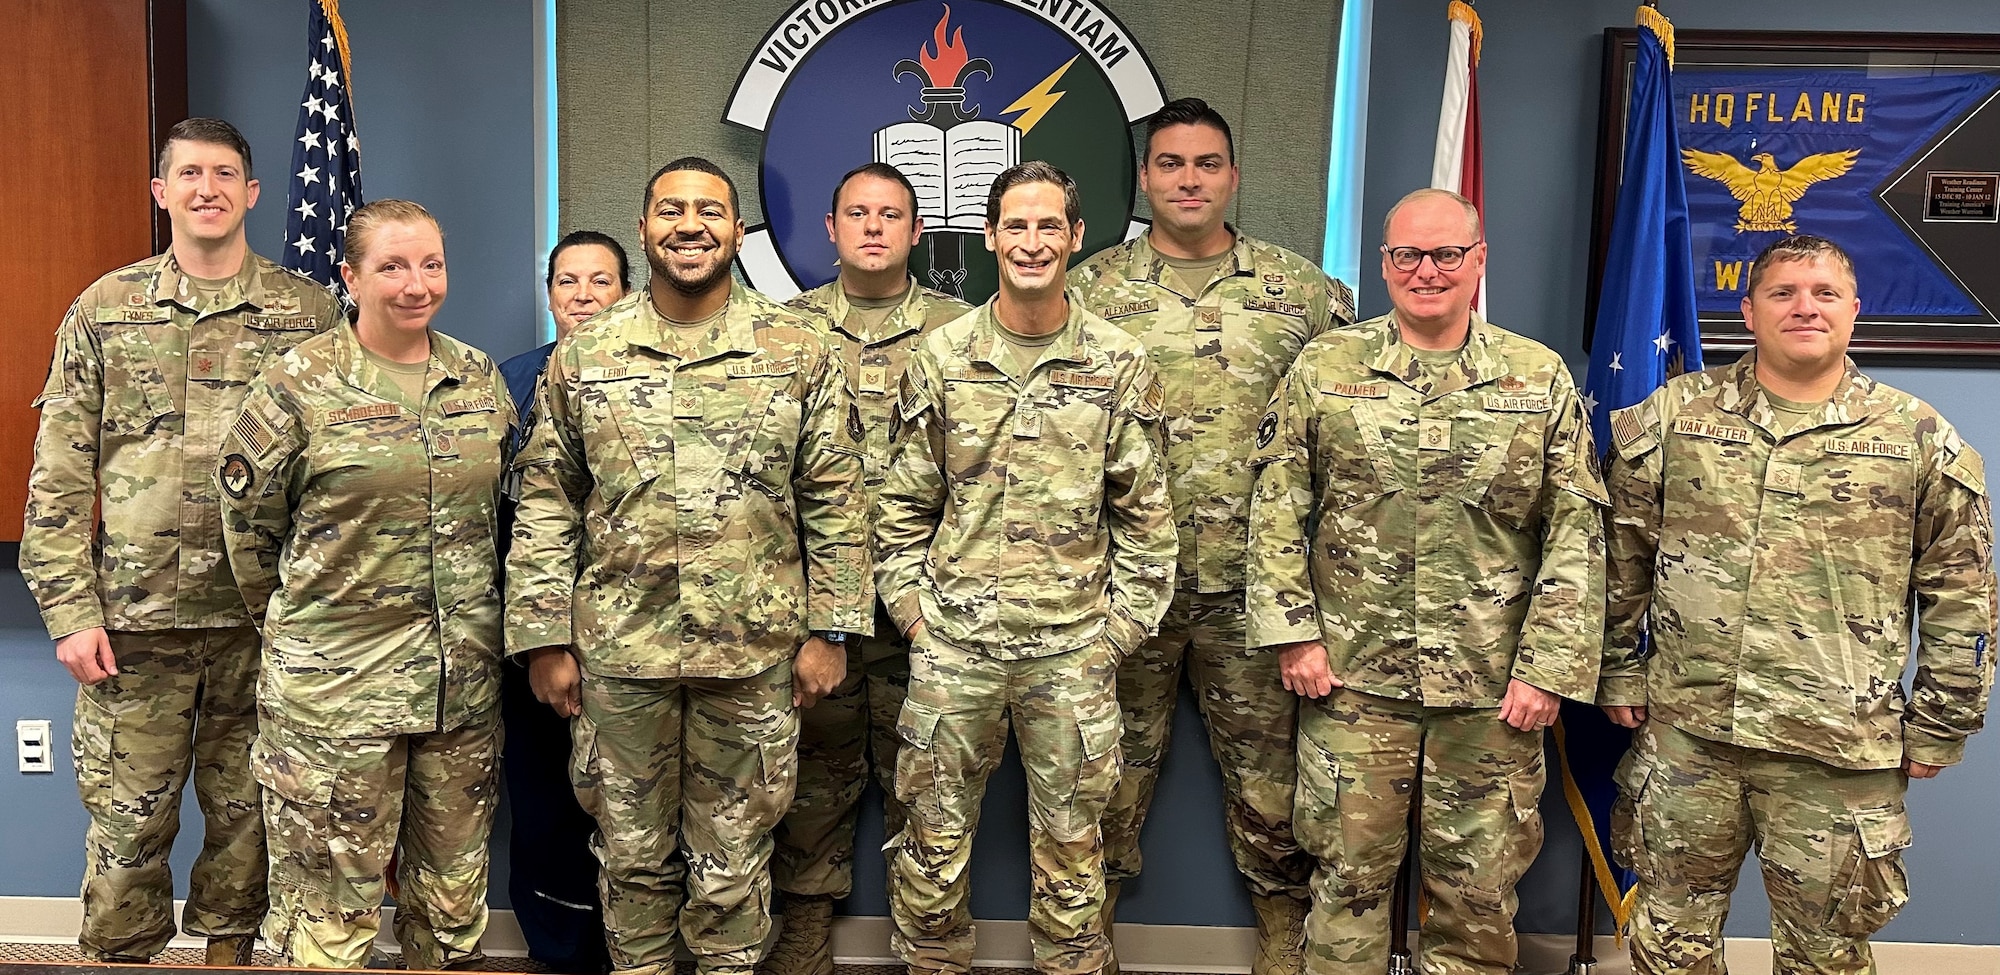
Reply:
x=1584, y=961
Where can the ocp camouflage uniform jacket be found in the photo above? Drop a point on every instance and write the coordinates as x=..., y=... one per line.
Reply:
x=1777, y=573
x=1028, y=519
x=690, y=517
x=874, y=361
x=369, y=528
x=122, y=527
x=1442, y=535
x=1221, y=355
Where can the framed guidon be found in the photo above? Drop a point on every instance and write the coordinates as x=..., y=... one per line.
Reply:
x=1886, y=144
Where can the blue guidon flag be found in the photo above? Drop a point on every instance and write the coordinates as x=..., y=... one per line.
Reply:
x=1646, y=333
x=326, y=160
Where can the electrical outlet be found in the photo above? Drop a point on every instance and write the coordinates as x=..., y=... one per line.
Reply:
x=34, y=739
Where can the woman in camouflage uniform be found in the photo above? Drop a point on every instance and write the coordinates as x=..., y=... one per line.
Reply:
x=360, y=496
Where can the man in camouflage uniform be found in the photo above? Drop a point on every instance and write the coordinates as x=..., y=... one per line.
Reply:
x=877, y=313
x=1774, y=523
x=1428, y=562
x=691, y=509
x=1027, y=545
x=359, y=517
x=1223, y=315
x=150, y=364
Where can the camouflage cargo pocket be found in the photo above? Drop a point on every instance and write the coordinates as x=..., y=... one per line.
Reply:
x=1873, y=886
x=1316, y=804
x=1633, y=776
x=1098, y=732
x=298, y=815
x=585, y=764
x=90, y=747
x=916, y=761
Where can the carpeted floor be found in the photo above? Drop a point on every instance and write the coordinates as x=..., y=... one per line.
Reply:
x=39, y=959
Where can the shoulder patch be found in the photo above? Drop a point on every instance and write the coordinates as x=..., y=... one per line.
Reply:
x=255, y=434
x=1968, y=469
x=1152, y=405
x=1632, y=430
x=237, y=476
x=1267, y=429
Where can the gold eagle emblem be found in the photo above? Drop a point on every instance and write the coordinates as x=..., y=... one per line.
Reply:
x=1768, y=192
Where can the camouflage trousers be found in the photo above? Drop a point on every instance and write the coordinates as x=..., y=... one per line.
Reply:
x=1250, y=719
x=1479, y=829
x=849, y=732
x=337, y=809
x=183, y=700
x=1830, y=841
x=687, y=778
x=1064, y=712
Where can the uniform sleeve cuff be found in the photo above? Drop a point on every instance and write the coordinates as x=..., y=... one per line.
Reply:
x=1622, y=692
x=906, y=609
x=72, y=617
x=1930, y=749
x=1268, y=635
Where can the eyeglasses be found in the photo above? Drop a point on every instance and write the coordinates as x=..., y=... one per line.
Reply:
x=1447, y=258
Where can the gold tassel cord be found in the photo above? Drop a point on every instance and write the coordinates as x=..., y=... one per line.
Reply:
x=332, y=10
x=1662, y=28
x=1460, y=10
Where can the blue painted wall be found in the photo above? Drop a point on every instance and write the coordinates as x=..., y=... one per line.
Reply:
x=1539, y=80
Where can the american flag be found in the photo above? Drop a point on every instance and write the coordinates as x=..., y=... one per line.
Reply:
x=326, y=163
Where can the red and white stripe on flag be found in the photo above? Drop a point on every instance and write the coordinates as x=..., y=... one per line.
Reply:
x=1456, y=164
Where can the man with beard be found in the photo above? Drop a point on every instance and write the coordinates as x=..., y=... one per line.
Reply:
x=690, y=552
x=877, y=313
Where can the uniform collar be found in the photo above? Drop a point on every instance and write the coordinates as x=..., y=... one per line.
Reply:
x=358, y=371
x=900, y=321
x=649, y=329
x=1478, y=362
x=172, y=285
x=1853, y=399
x=989, y=346
x=1149, y=265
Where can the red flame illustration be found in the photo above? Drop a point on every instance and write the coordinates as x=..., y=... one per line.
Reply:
x=951, y=57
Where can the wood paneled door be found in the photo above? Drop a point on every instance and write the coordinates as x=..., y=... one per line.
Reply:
x=87, y=88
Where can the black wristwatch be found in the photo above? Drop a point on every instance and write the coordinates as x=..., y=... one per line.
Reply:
x=835, y=637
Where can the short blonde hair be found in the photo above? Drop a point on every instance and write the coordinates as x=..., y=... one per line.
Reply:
x=363, y=222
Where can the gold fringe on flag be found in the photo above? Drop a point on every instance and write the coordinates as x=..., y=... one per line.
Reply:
x=1460, y=10
x=1621, y=907
x=1653, y=20
x=332, y=10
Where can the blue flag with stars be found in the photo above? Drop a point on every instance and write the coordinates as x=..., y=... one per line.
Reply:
x=326, y=161
x=1646, y=333
x=1646, y=327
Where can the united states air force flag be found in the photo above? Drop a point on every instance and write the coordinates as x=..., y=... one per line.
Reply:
x=1646, y=332
x=326, y=158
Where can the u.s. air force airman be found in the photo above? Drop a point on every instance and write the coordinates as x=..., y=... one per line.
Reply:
x=1775, y=523
x=691, y=510
x=1223, y=315
x=1428, y=559
x=361, y=488
x=877, y=313
x=1027, y=544
x=122, y=549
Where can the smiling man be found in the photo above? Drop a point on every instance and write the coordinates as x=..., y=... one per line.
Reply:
x=1775, y=526
x=690, y=552
x=151, y=362
x=1223, y=315
x=1027, y=545
x=877, y=313
x=1428, y=566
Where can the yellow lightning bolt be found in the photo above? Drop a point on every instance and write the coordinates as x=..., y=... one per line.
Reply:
x=1038, y=100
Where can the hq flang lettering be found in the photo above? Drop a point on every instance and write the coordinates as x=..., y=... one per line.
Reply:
x=1721, y=107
